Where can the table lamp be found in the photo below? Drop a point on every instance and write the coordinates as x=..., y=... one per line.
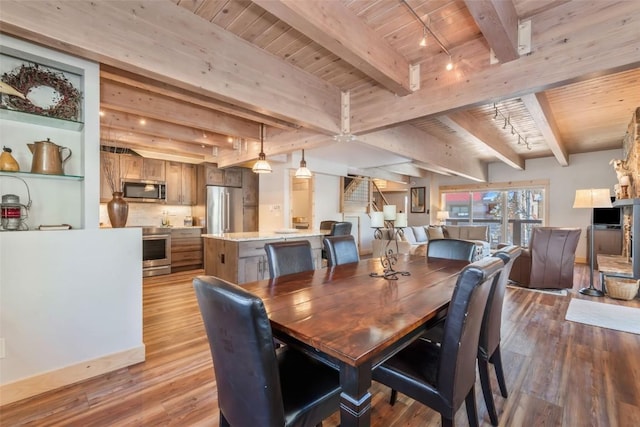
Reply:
x=592, y=198
x=442, y=216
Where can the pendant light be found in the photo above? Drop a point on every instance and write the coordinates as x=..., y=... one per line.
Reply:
x=262, y=166
x=303, y=172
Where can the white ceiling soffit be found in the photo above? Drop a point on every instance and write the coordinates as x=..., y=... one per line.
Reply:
x=358, y=155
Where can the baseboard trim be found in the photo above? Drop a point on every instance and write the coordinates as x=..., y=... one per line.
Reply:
x=32, y=386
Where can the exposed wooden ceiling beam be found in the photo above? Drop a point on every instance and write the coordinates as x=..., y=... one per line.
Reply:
x=332, y=25
x=572, y=42
x=498, y=21
x=140, y=102
x=151, y=41
x=540, y=110
x=274, y=144
x=161, y=88
x=471, y=128
x=409, y=169
x=409, y=141
x=380, y=173
x=111, y=119
x=118, y=138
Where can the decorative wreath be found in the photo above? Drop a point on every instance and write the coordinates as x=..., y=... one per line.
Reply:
x=23, y=79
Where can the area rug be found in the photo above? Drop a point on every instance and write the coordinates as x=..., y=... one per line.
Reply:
x=558, y=292
x=610, y=316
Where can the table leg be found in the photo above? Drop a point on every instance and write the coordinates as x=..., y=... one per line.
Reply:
x=355, y=399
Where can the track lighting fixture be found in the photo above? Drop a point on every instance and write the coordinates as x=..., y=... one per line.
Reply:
x=303, y=172
x=425, y=30
x=423, y=40
x=507, y=123
x=262, y=166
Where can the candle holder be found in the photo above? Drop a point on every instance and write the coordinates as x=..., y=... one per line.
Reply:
x=389, y=258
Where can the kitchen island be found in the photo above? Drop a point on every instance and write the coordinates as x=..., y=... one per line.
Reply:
x=241, y=258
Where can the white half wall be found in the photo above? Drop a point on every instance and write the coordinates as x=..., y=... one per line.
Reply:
x=67, y=297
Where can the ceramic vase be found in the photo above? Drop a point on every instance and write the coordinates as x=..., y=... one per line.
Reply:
x=118, y=210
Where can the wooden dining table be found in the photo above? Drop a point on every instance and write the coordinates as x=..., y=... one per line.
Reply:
x=352, y=321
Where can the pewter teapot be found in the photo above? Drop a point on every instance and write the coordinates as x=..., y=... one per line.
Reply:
x=48, y=157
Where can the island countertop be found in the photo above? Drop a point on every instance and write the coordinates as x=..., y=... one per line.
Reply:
x=265, y=235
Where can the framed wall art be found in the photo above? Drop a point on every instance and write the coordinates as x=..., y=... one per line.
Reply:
x=418, y=204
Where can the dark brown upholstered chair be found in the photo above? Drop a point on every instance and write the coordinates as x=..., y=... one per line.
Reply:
x=442, y=377
x=257, y=385
x=451, y=249
x=489, y=343
x=549, y=260
x=341, y=250
x=326, y=225
x=289, y=257
x=340, y=229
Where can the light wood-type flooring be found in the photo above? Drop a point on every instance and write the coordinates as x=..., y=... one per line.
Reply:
x=558, y=373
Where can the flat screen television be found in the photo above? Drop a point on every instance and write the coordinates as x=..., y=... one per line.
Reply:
x=607, y=216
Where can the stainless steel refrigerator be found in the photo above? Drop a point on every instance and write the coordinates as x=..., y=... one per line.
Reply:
x=224, y=210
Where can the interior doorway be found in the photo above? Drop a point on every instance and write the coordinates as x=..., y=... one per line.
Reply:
x=301, y=202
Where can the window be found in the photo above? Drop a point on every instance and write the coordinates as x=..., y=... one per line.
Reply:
x=510, y=212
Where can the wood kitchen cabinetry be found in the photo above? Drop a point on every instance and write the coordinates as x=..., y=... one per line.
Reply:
x=153, y=169
x=186, y=249
x=130, y=167
x=181, y=179
x=250, y=184
x=242, y=261
x=231, y=177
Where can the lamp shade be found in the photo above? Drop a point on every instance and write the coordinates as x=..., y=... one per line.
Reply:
x=440, y=215
x=377, y=219
x=389, y=212
x=592, y=198
x=303, y=171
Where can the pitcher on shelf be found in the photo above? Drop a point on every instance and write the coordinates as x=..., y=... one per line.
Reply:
x=47, y=157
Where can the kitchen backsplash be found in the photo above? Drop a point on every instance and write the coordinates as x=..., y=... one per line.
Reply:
x=149, y=214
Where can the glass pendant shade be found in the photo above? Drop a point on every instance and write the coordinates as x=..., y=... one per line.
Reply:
x=261, y=166
x=303, y=172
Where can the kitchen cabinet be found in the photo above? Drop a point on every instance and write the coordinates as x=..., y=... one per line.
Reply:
x=233, y=177
x=245, y=260
x=186, y=249
x=130, y=167
x=181, y=178
x=213, y=175
x=153, y=169
x=250, y=184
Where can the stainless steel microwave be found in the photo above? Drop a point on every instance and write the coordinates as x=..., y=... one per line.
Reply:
x=144, y=191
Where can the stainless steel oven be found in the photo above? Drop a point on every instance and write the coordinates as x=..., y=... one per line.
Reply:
x=156, y=251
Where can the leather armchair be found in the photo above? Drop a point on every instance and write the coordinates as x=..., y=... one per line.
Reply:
x=549, y=260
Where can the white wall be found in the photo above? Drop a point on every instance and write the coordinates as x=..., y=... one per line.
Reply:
x=588, y=170
x=71, y=302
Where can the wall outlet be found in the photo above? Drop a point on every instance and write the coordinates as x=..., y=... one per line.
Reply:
x=2, y=349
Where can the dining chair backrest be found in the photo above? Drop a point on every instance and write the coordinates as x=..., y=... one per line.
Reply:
x=340, y=228
x=289, y=257
x=492, y=320
x=243, y=353
x=464, y=250
x=258, y=385
x=457, y=366
x=341, y=250
x=327, y=224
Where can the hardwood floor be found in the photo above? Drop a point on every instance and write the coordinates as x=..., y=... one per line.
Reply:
x=558, y=373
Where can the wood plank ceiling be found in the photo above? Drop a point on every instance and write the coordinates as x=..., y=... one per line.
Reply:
x=202, y=74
